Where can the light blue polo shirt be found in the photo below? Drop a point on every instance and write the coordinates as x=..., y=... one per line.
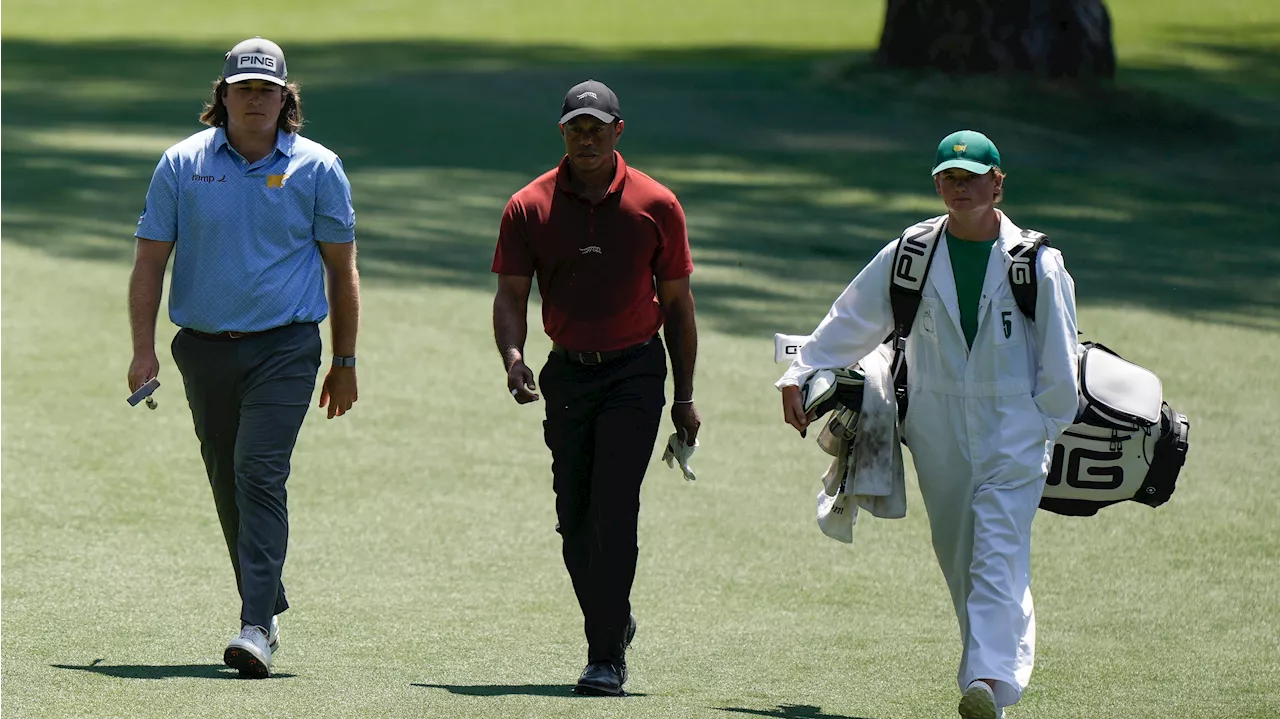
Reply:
x=245, y=252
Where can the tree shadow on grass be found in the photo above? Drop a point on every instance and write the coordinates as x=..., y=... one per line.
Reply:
x=503, y=690
x=789, y=711
x=162, y=671
x=791, y=175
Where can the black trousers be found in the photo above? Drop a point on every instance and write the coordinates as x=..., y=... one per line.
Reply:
x=248, y=397
x=601, y=424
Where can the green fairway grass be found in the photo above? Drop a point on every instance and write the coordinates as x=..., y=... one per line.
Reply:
x=424, y=571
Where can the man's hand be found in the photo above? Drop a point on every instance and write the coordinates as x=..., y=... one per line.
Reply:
x=145, y=366
x=339, y=390
x=520, y=383
x=684, y=415
x=793, y=409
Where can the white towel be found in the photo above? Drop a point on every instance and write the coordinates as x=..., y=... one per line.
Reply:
x=678, y=451
x=837, y=512
x=869, y=474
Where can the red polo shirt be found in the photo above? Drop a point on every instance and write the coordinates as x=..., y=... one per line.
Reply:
x=596, y=264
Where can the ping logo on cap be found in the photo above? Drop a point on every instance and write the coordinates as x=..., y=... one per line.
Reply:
x=958, y=148
x=256, y=60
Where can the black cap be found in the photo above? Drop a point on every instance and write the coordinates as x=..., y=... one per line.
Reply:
x=590, y=98
x=255, y=59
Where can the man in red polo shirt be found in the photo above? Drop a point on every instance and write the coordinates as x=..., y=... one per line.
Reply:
x=609, y=248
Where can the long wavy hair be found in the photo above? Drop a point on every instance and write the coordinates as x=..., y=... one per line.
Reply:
x=290, y=120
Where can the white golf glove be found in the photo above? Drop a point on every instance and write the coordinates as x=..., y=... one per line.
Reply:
x=678, y=451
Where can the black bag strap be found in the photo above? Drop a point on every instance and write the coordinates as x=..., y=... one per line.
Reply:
x=1022, y=273
x=914, y=256
x=911, y=262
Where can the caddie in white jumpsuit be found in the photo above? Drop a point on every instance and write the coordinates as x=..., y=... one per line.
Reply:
x=989, y=394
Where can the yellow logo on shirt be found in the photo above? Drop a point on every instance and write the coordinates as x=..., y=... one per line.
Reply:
x=276, y=180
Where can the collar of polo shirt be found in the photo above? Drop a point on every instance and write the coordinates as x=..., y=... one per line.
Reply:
x=284, y=141
x=564, y=183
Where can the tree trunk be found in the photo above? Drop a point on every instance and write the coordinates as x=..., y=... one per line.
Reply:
x=1044, y=38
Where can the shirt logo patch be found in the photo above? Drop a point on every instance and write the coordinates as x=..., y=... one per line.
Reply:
x=276, y=180
x=256, y=60
x=204, y=178
x=590, y=250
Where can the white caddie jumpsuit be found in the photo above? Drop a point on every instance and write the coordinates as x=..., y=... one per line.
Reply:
x=980, y=425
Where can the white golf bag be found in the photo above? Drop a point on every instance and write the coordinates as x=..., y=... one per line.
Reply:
x=1127, y=443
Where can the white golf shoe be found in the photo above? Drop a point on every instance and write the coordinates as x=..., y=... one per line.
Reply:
x=249, y=653
x=979, y=702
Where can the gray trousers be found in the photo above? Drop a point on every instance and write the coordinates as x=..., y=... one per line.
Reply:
x=248, y=397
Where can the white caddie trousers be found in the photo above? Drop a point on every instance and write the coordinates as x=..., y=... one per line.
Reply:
x=980, y=426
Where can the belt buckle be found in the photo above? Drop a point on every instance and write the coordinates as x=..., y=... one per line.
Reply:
x=583, y=357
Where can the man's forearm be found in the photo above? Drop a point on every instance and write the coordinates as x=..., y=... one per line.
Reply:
x=510, y=328
x=146, y=284
x=682, y=344
x=344, y=299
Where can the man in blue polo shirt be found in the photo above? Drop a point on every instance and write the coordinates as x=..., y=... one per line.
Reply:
x=255, y=216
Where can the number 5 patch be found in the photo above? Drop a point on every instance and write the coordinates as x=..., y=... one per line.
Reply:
x=1008, y=324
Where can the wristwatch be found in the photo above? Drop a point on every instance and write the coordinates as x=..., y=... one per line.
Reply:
x=340, y=361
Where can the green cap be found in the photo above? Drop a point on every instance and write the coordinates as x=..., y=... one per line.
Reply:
x=968, y=150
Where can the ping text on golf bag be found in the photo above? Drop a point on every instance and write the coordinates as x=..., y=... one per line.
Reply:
x=1127, y=443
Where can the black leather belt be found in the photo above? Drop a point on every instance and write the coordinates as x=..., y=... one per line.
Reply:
x=595, y=358
x=229, y=335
